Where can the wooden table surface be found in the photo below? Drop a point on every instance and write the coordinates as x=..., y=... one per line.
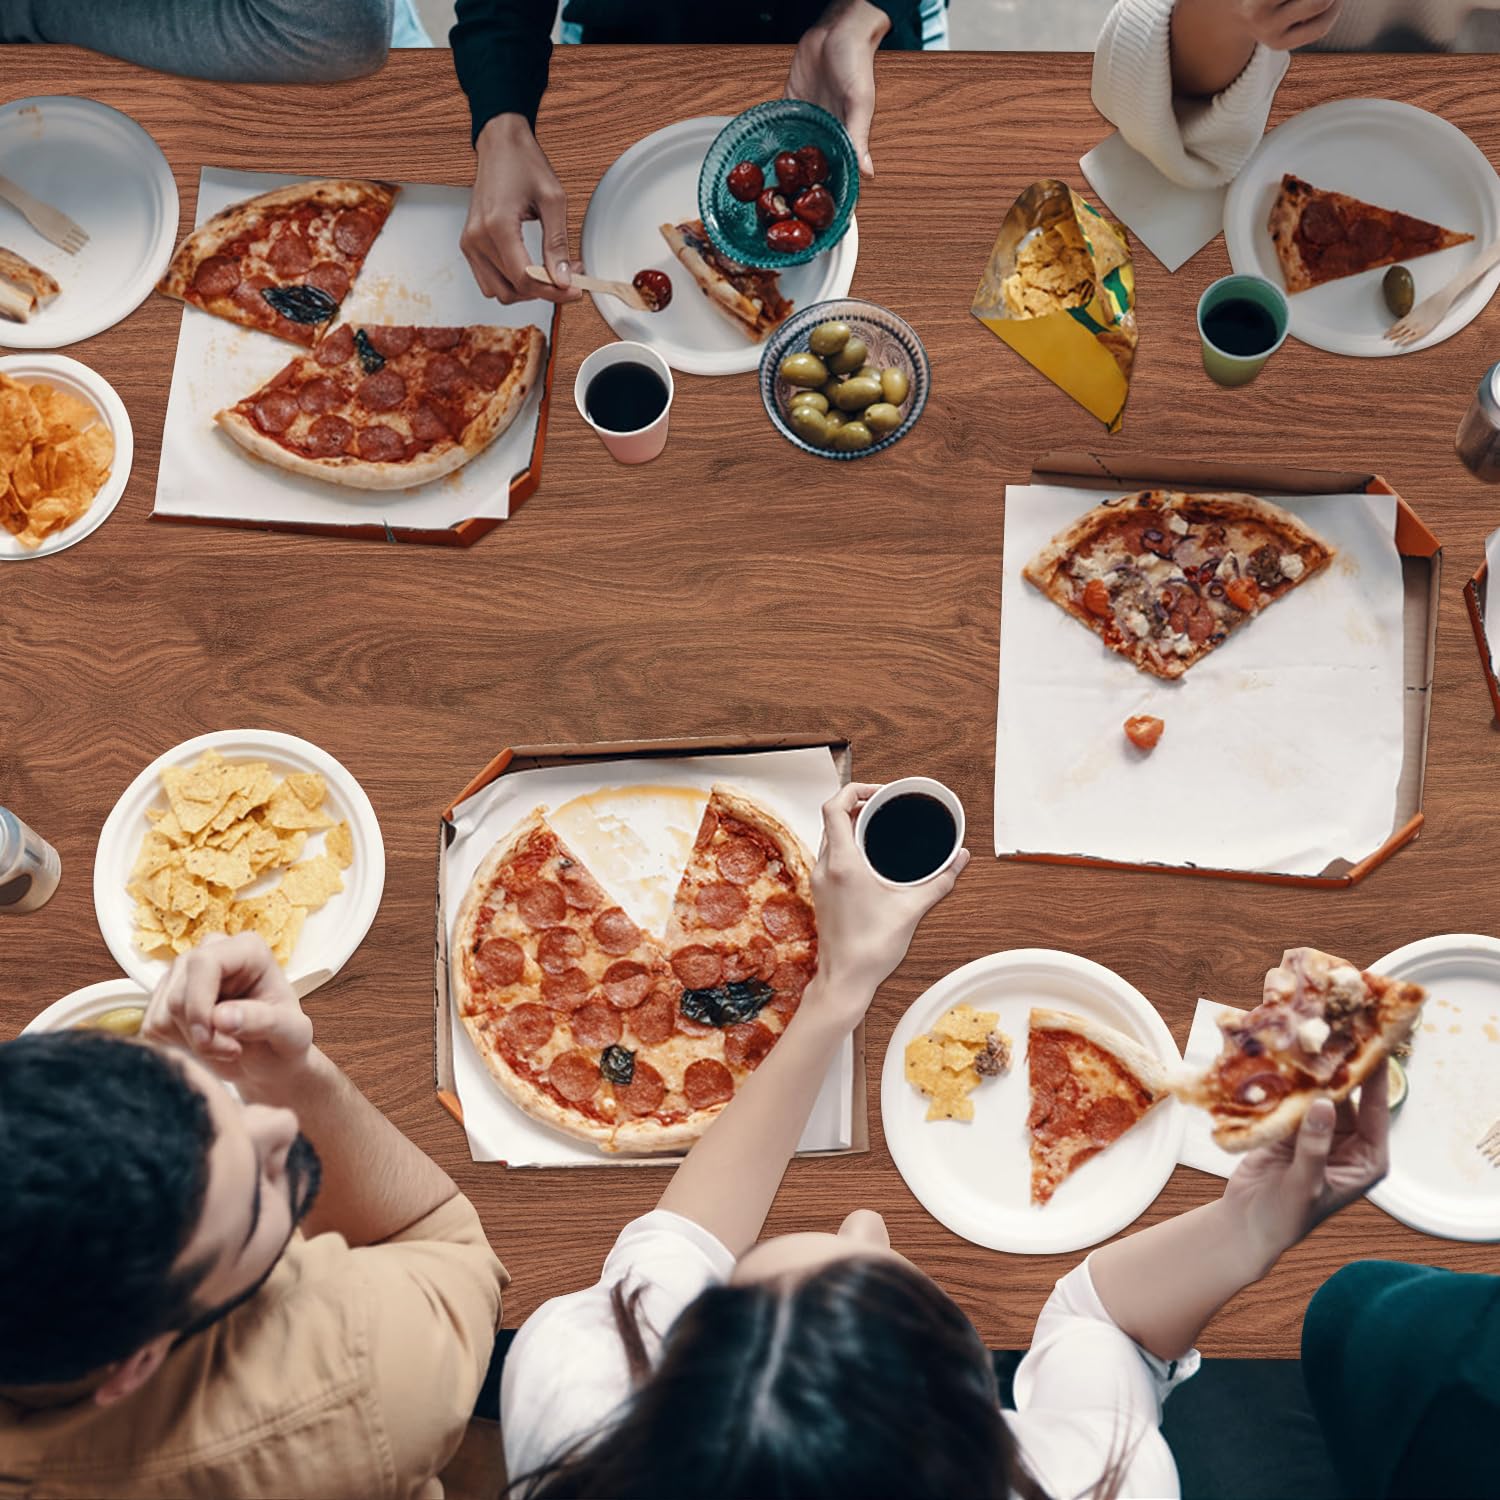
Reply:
x=735, y=585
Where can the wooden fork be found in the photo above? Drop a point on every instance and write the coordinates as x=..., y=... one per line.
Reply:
x=51, y=223
x=1429, y=312
x=594, y=284
x=1488, y=1145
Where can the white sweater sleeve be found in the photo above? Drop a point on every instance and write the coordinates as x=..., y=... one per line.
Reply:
x=1199, y=143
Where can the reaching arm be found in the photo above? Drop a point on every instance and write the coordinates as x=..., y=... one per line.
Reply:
x=501, y=51
x=1163, y=1285
x=229, y=1003
x=730, y=1177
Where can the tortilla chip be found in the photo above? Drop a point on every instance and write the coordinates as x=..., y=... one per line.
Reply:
x=312, y=882
x=339, y=845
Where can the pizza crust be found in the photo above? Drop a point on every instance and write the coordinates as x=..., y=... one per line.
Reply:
x=1286, y=214
x=793, y=856
x=751, y=319
x=1143, y=1065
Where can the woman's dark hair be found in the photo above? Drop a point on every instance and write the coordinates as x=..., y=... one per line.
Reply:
x=862, y=1379
x=103, y=1167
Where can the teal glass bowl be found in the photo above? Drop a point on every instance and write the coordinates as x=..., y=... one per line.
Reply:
x=758, y=135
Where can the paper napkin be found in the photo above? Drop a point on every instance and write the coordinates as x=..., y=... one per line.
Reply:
x=1174, y=223
x=1205, y=1041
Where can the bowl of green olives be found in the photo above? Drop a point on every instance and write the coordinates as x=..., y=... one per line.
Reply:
x=844, y=379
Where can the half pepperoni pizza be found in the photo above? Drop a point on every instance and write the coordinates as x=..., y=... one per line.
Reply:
x=614, y=1035
x=284, y=261
x=385, y=407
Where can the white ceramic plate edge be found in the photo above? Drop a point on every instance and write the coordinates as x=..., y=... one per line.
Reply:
x=64, y=1014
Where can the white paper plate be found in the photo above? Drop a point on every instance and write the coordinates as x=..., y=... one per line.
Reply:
x=77, y=380
x=330, y=935
x=975, y=1177
x=1438, y=1182
x=655, y=182
x=1392, y=155
x=83, y=1005
x=102, y=170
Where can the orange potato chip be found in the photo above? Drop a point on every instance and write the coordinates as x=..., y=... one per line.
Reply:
x=55, y=453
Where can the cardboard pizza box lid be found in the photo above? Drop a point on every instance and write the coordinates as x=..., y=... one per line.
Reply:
x=1474, y=592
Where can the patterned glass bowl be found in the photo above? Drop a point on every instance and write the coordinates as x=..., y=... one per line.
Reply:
x=757, y=135
x=893, y=343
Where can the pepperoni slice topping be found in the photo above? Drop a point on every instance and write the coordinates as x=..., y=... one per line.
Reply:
x=579, y=888
x=568, y=990
x=791, y=977
x=381, y=444
x=440, y=338
x=756, y=960
x=615, y=932
x=651, y=1023
x=336, y=348
x=721, y=904
x=327, y=437
x=542, y=904
x=329, y=276
x=289, y=255
x=746, y=1044
x=353, y=231
x=275, y=411
x=385, y=390
x=489, y=368
x=499, y=961
x=644, y=1092
x=557, y=949
x=1320, y=223
x=527, y=1028
x=428, y=424
x=575, y=1076
x=446, y=377
x=707, y=1082
x=1107, y=1120
x=320, y=395
x=218, y=276
x=626, y=984
x=741, y=859
x=698, y=968
x=787, y=918
x=595, y=1026
x=390, y=340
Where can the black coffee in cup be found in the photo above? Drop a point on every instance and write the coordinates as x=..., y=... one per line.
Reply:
x=909, y=837
x=1241, y=327
x=625, y=397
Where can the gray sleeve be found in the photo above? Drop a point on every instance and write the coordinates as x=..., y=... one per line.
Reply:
x=238, y=41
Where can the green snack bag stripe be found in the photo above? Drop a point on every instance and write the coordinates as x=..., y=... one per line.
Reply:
x=1115, y=281
x=1081, y=315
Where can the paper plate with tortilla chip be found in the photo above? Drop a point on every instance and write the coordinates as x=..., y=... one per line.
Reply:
x=245, y=830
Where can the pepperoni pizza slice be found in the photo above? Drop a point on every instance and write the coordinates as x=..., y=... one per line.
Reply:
x=1089, y=1085
x=1322, y=1027
x=1321, y=235
x=601, y=1030
x=385, y=407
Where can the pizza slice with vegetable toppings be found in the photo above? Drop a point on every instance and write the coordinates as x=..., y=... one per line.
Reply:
x=284, y=261
x=1322, y=1027
x=1089, y=1085
x=1321, y=235
x=1164, y=578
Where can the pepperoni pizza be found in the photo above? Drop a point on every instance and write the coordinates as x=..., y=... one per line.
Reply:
x=607, y=1032
x=384, y=407
x=284, y=261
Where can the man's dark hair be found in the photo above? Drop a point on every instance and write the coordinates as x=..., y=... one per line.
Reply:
x=104, y=1150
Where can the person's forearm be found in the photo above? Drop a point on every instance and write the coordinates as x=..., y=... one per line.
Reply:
x=375, y=1182
x=501, y=52
x=1210, y=47
x=730, y=1177
x=1164, y=1284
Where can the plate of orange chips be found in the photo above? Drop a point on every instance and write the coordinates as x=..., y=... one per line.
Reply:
x=65, y=453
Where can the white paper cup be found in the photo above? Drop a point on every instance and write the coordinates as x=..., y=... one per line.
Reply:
x=906, y=786
x=638, y=447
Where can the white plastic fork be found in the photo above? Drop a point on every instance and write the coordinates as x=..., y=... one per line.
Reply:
x=1488, y=1145
x=1429, y=312
x=51, y=223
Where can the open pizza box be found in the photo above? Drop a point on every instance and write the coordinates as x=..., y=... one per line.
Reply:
x=413, y=274
x=1484, y=606
x=792, y=773
x=1076, y=778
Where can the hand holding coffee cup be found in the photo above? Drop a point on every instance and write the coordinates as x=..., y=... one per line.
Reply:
x=911, y=830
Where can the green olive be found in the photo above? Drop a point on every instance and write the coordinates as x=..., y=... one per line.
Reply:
x=829, y=338
x=852, y=437
x=815, y=399
x=882, y=418
x=849, y=358
x=831, y=385
x=856, y=393
x=809, y=424
x=834, y=419
x=895, y=385
x=1399, y=289
x=802, y=369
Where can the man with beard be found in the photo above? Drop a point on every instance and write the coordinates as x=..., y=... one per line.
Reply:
x=204, y=1294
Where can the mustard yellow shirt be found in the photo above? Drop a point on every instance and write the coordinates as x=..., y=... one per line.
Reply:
x=351, y=1373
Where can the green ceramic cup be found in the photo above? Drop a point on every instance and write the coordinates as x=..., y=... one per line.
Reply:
x=1224, y=365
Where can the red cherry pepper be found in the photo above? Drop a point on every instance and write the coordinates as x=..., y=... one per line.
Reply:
x=789, y=172
x=745, y=181
x=789, y=235
x=814, y=165
x=815, y=206
x=655, y=287
x=772, y=207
